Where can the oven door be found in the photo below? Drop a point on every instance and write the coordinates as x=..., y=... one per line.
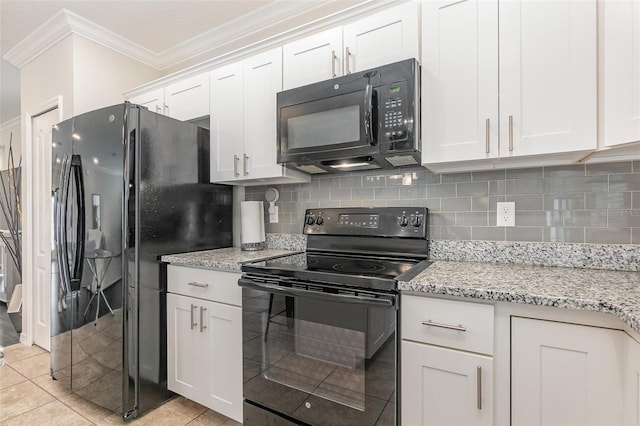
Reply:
x=315, y=357
x=326, y=128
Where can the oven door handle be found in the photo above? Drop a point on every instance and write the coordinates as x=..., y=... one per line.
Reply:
x=382, y=300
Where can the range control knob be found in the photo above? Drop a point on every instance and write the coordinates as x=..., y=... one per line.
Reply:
x=404, y=221
x=416, y=222
x=310, y=220
x=319, y=220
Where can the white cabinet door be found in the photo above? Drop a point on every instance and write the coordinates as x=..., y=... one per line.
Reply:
x=262, y=80
x=443, y=386
x=312, y=59
x=565, y=373
x=223, y=353
x=379, y=39
x=621, y=71
x=459, y=80
x=548, y=77
x=184, y=347
x=153, y=100
x=632, y=383
x=189, y=98
x=226, y=122
x=385, y=37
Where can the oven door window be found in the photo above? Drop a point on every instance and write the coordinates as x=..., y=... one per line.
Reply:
x=335, y=122
x=320, y=361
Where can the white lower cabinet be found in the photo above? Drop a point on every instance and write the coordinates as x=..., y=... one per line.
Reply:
x=442, y=386
x=204, y=360
x=566, y=374
x=632, y=383
x=446, y=362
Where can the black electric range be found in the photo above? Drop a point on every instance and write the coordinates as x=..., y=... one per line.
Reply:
x=320, y=327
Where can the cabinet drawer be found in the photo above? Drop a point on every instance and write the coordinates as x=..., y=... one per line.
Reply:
x=217, y=286
x=460, y=325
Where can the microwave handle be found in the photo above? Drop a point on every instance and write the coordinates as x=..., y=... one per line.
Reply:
x=368, y=111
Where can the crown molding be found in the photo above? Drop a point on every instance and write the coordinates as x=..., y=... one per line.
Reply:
x=64, y=23
x=277, y=40
x=236, y=30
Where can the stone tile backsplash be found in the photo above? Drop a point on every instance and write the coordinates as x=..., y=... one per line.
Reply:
x=592, y=203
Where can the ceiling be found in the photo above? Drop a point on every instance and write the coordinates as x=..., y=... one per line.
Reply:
x=157, y=26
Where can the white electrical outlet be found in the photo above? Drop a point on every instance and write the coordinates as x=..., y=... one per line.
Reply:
x=273, y=217
x=506, y=214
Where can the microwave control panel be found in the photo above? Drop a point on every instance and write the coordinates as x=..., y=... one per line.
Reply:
x=394, y=117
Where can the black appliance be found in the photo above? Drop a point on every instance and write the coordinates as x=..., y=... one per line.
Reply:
x=128, y=186
x=320, y=328
x=361, y=121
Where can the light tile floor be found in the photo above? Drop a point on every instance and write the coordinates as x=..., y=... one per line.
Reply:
x=28, y=396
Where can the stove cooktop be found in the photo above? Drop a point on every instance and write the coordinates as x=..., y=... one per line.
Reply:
x=348, y=270
x=355, y=247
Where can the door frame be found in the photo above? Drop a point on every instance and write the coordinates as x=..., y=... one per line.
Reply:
x=29, y=237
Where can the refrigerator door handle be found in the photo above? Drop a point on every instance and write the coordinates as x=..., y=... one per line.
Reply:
x=60, y=224
x=70, y=275
x=78, y=260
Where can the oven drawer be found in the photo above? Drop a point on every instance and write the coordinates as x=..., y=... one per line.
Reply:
x=217, y=286
x=460, y=325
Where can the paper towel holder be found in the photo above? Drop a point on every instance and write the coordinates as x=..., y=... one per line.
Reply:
x=272, y=195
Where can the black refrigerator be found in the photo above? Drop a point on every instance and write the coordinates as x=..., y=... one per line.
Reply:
x=128, y=186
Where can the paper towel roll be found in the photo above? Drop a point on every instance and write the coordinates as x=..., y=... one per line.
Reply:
x=252, y=225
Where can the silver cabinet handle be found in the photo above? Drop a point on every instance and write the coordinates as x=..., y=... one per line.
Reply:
x=193, y=323
x=202, y=326
x=510, y=133
x=333, y=64
x=235, y=166
x=479, y=385
x=487, y=135
x=458, y=327
x=158, y=109
x=245, y=164
x=347, y=55
x=165, y=108
x=197, y=284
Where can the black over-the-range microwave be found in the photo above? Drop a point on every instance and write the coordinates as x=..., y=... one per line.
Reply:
x=361, y=121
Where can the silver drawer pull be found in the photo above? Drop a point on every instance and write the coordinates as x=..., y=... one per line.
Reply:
x=202, y=311
x=193, y=323
x=458, y=327
x=479, y=386
x=196, y=284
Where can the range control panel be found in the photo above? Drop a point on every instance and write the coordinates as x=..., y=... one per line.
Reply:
x=409, y=222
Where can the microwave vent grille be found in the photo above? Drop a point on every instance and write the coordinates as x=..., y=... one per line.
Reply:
x=402, y=160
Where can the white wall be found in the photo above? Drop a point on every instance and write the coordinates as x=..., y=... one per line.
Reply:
x=47, y=76
x=10, y=131
x=101, y=75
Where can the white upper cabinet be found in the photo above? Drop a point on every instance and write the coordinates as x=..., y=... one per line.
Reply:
x=262, y=80
x=378, y=39
x=459, y=80
x=186, y=99
x=385, y=37
x=621, y=71
x=226, y=122
x=243, y=122
x=189, y=98
x=314, y=58
x=153, y=100
x=548, y=77
x=508, y=79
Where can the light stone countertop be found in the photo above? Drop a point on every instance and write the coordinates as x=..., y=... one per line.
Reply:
x=613, y=292
x=225, y=259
